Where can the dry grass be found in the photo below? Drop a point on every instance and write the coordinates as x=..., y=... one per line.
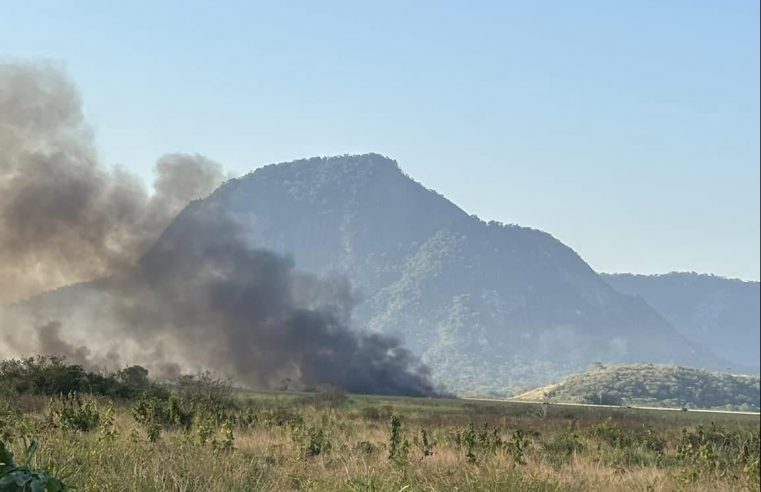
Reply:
x=350, y=448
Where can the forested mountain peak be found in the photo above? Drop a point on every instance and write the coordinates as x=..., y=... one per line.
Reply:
x=491, y=308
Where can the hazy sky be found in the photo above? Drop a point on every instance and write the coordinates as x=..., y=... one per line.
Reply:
x=629, y=130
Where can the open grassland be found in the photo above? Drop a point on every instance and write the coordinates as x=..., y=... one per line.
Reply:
x=324, y=441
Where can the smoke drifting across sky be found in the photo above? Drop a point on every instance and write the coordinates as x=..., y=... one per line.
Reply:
x=64, y=217
x=189, y=303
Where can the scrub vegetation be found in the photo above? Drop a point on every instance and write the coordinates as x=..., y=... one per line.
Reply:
x=198, y=433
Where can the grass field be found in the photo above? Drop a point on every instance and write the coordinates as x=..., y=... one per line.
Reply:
x=324, y=441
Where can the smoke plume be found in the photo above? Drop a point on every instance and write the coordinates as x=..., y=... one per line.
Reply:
x=185, y=303
x=64, y=217
x=248, y=313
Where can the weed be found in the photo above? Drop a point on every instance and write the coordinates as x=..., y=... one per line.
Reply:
x=426, y=445
x=397, y=443
x=107, y=428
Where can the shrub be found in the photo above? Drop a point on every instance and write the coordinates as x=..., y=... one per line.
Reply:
x=51, y=375
x=714, y=449
x=609, y=432
x=561, y=446
x=134, y=377
x=160, y=412
x=317, y=442
x=206, y=391
x=74, y=413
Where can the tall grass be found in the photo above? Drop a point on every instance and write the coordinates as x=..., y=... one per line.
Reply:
x=188, y=442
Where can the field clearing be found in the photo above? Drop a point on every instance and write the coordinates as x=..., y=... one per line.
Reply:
x=326, y=441
x=468, y=407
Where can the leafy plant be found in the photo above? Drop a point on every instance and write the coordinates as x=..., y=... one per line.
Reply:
x=398, y=446
x=317, y=442
x=72, y=412
x=228, y=438
x=107, y=427
x=23, y=478
x=517, y=446
x=470, y=441
x=426, y=445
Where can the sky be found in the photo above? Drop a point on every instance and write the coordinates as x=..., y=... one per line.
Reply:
x=628, y=130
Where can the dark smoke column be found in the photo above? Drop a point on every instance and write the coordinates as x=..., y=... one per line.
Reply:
x=261, y=316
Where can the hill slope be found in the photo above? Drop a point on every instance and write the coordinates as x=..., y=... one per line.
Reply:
x=720, y=313
x=654, y=385
x=490, y=307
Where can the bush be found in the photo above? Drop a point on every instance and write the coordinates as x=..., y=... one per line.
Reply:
x=51, y=375
x=205, y=389
x=317, y=442
x=159, y=411
x=561, y=446
x=74, y=413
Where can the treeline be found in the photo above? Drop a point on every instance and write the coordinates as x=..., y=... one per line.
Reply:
x=53, y=376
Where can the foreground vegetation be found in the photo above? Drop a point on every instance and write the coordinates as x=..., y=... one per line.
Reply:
x=197, y=434
x=655, y=385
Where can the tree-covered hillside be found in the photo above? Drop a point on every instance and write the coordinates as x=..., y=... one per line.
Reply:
x=654, y=385
x=490, y=307
x=718, y=312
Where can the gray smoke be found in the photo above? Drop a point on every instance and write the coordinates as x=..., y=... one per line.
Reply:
x=189, y=303
x=248, y=313
x=64, y=217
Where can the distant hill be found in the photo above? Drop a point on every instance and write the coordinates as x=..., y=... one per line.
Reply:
x=490, y=307
x=654, y=385
x=720, y=313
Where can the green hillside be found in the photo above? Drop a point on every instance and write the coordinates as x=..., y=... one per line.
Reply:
x=654, y=385
x=488, y=307
x=721, y=313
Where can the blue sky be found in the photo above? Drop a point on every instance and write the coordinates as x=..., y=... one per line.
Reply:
x=629, y=130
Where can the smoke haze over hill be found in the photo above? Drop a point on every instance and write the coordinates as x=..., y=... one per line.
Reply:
x=214, y=304
x=64, y=216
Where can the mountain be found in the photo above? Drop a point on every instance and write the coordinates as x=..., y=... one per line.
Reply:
x=717, y=312
x=491, y=308
x=654, y=385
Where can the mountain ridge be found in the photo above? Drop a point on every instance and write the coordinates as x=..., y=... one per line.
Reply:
x=719, y=312
x=492, y=308
x=423, y=266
